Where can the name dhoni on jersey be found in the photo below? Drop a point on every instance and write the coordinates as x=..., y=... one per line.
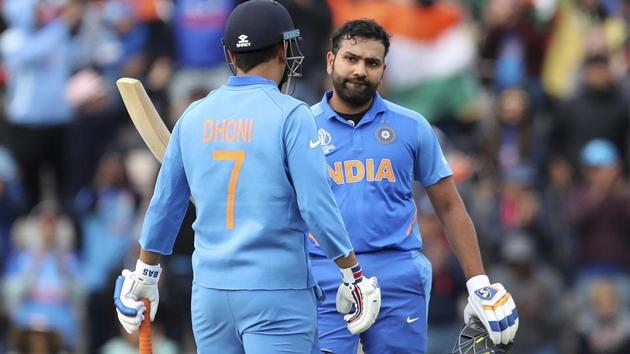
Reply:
x=353, y=171
x=228, y=130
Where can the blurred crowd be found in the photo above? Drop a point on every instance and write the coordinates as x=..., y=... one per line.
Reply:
x=530, y=99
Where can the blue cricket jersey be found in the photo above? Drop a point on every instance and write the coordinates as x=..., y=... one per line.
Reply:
x=251, y=159
x=372, y=167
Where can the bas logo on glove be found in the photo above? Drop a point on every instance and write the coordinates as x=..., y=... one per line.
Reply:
x=131, y=288
x=361, y=293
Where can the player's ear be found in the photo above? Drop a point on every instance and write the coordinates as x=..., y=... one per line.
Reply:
x=383, y=73
x=282, y=51
x=232, y=58
x=330, y=60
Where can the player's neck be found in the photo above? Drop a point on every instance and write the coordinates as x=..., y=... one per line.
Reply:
x=266, y=70
x=341, y=106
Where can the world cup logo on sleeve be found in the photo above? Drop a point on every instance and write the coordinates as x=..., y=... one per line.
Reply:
x=326, y=140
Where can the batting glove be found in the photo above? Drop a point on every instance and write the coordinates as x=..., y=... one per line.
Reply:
x=131, y=287
x=494, y=307
x=361, y=293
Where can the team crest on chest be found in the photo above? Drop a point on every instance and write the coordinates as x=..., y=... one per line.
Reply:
x=385, y=134
x=326, y=141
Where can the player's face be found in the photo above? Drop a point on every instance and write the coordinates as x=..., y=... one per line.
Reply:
x=357, y=69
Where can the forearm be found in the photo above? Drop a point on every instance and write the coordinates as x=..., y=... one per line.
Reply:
x=457, y=226
x=148, y=257
x=462, y=237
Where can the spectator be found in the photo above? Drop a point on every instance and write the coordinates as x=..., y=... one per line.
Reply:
x=599, y=110
x=599, y=209
x=602, y=323
x=41, y=285
x=539, y=290
x=197, y=29
x=517, y=208
x=514, y=137
x=36, y=49
x=513, y=45
x=38, y=341
x=113, y=44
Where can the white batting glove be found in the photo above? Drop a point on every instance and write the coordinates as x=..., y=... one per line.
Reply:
x=131, y=288
x=362, y=293
x=494, y=307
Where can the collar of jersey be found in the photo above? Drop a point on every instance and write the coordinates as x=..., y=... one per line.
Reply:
x=249, y=80
x=378, y=106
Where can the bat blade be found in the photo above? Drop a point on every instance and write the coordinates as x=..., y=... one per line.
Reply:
x=146, y=346
x=144, y=116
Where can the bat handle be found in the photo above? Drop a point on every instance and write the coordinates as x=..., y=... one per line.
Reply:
x=146, y=346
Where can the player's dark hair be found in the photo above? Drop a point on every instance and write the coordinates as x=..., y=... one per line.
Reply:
x=363, y=28
x=246, y=61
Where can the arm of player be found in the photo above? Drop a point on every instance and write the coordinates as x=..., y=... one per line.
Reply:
x=492, y=304
x=307, y=167
x=169, y=202
x=161, y=225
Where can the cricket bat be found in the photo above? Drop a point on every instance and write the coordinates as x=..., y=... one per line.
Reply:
x=146, y=346
x=144, y=116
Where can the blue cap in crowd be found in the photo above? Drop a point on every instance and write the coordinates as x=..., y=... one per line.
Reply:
x=599, y=153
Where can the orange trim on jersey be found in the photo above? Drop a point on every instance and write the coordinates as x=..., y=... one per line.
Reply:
x=414, y=221
x=313, y=238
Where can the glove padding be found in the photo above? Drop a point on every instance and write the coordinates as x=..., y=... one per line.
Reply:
x=494, y=307
x=131, y=287
x=362, y=293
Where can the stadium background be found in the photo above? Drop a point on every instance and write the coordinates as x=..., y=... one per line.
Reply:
x=516, y=89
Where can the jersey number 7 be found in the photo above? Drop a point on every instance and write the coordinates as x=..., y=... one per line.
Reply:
x=238, y=156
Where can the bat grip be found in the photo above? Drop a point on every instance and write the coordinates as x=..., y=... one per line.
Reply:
x=145, y=345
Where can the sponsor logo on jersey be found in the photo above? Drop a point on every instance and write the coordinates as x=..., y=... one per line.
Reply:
x=412, y=320
x=385, y=135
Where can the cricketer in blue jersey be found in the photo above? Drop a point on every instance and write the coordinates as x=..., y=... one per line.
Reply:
x=249, y=156
x=375, y=149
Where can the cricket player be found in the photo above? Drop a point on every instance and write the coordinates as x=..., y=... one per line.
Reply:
x=250, y=157
x=375, y=150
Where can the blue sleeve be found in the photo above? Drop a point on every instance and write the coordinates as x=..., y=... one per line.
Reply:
x=31, y=47
x=169, y=202
x=430, y=164
x=307, y=168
